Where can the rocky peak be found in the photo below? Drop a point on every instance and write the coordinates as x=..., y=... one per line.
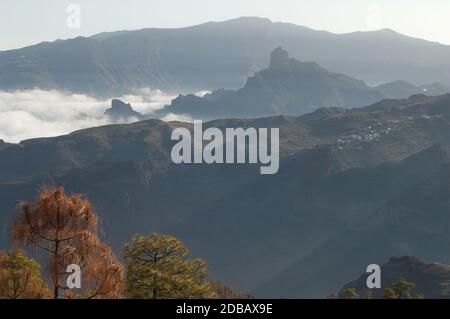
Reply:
x=122, y=110
x=118, y=105
x=279, y=58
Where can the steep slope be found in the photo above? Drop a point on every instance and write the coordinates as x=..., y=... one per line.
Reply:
x=215, y=55
x=419, y=198
x=409, y=220
x=143, y=141
x=349, y=192
x=286, y=87
x=388, y=130
x=121, y=111
x=293, y=216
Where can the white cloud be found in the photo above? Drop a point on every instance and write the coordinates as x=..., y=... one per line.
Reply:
x=177, y=117
x=147, y=100
x=37, y=113
x=202, y=93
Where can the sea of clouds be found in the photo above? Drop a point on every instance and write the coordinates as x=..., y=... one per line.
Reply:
x=26, y=114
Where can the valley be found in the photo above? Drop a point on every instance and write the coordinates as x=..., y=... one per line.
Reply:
x=246, y=158
x=273, y=227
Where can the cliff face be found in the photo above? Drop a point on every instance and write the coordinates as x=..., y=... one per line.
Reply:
x=122, y=111
x=286, y=87
x=354, y=188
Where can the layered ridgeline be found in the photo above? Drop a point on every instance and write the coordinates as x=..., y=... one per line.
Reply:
x=354, y=187
x=286, y=86
x=215, y=55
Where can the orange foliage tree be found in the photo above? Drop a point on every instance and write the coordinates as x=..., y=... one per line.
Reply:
x=66, y=227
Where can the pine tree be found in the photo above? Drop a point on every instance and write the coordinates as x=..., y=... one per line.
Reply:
x=20, y=277
x=157, y=268
x=66, y=228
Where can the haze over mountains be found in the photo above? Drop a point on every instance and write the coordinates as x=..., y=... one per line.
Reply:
x=285, y=87
x=215, y=55
x=354, y=187
x=290, y=87
x=364, y=145
x=402, y=89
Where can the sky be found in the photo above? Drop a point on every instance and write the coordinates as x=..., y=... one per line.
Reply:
x=26, y=22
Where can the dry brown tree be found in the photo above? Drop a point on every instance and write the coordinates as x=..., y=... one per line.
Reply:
x=66, y=227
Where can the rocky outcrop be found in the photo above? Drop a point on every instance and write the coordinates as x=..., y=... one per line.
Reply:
x=285, y=87
x=122, y=111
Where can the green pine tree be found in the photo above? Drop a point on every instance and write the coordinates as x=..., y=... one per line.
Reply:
x=158, y=269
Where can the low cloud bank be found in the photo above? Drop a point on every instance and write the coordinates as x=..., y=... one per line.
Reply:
x=38, y=113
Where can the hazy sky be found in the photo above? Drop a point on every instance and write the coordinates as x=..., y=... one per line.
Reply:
x=24, y=22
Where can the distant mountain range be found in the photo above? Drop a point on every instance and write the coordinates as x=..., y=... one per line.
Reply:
x=355, y=187
x=290, y=87
x=286, y=87
x=431, y=278
x=215, y=55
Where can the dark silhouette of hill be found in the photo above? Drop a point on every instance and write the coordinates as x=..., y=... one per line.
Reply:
x=354, y=187
x=120, y=110
x=286, y=86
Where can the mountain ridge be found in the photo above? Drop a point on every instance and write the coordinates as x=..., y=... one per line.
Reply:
x=115, y=63
x=286, y=86
x=298, y=233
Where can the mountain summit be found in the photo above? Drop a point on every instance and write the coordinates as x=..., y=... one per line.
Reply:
x=286, y=86
x=279, y=58
x=214, y=55
x=121, y=111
